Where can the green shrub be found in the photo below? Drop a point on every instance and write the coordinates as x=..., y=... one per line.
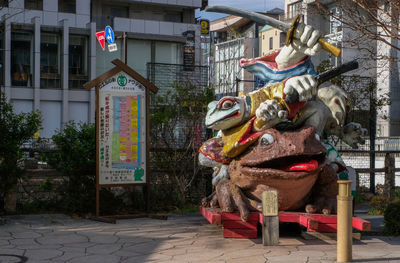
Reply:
x=392, y=219
x=15, y=130
x=378, y=204
x=76, y=161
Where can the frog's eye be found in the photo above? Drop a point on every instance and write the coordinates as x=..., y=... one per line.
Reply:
x=226, y=104
x=267, y=139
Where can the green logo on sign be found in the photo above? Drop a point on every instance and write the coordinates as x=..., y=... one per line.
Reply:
x=122, y=80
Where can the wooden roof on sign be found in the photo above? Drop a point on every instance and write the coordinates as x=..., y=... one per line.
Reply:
x=120, y=66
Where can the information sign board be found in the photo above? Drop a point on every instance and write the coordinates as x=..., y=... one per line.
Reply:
x=122, y=131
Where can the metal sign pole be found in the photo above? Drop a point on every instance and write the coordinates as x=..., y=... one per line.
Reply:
x=97, y=123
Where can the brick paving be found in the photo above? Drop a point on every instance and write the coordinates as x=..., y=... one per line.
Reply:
x=188, y=238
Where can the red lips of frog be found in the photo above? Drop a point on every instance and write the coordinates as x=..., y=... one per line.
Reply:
x=289, y=154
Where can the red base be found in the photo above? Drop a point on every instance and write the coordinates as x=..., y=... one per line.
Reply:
x=234, y=227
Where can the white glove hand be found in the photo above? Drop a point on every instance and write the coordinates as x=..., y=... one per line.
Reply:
x=306, y=40
x=304, y=44
x=269, y=110
x=305, y=85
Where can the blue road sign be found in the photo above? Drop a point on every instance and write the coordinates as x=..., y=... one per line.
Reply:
x=109, y=35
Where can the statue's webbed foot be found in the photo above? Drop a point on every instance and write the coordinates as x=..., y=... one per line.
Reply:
x=231, y=198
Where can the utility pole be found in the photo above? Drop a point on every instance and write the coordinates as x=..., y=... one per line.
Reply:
x=124, y=47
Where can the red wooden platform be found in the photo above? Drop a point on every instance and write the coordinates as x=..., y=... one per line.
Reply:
x=234, y=227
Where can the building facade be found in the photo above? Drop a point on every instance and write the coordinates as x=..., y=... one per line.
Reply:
x=50, y=49
x=271, y=39
x=377, y=60
x=234, y=38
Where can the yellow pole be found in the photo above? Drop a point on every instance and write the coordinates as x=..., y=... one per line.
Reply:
x=344, y=222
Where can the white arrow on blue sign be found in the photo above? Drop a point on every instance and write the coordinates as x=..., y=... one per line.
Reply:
x=109, y=35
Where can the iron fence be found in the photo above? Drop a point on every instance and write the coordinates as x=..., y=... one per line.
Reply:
x=165, y=76
x=370, y=163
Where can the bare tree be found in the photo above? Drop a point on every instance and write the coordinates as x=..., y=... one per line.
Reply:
x=369, y=20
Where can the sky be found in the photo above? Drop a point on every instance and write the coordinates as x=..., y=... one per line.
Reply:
x=251, y=5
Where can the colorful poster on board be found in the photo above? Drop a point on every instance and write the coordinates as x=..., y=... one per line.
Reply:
x=122, y=131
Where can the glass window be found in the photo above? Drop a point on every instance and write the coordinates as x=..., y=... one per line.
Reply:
x=108, y=14
x=335, y=25
x=78, y=112
x=21, y=59
x=294, y=9
x=116, y=11
x=51, y=116
x=167, y=52
x=271, y=43
x=282, y=39
x=22, y=106
x=171, y=16
x=139, y=54
x=104, y=57
x=50, y=61
x=67, y=6
x=34, y=4
x=78, y=53
x=4, y=3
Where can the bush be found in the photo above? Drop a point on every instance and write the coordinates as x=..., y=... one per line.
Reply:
x=392, y=219
x=378, y=204
x=15, y=130
x=76, y=161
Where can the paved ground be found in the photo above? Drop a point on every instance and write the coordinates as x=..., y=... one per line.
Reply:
x=58, y=238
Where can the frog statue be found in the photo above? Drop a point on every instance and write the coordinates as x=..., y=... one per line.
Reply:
x=292, y=162
x=269, y=142
x=292, y=158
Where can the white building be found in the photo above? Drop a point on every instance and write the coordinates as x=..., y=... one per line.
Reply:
x=383, y=71
x=233, y=39
x=49, y=49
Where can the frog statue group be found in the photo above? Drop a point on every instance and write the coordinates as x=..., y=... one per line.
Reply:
x=265, y=142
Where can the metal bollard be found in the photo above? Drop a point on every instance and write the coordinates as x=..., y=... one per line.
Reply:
x=344, y=222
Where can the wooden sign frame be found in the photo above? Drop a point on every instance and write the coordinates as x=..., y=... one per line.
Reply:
x=149, y=87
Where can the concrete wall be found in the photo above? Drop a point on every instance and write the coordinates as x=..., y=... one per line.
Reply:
x=62, y=105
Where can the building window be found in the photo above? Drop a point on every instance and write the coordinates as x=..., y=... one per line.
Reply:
x=282, y=39
x=78, y=53
x=139, y=55
x=21, y=59
x=4, y=3
x=335, y=25
x=168, y=52
x=271, y=43
x=109, y=12
x=294, y=9
x=116, y=11
x=34, y=4
x=67, y=6
x=176, y=17
x=263, y=36
x=49, y=61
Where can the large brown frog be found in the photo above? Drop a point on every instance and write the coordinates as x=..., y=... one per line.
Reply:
x=292, y=162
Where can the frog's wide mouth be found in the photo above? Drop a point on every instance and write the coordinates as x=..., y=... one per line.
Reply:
x=302, y=164
x=234, y=114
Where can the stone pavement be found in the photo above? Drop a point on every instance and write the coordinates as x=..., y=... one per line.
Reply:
x=189, y=238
